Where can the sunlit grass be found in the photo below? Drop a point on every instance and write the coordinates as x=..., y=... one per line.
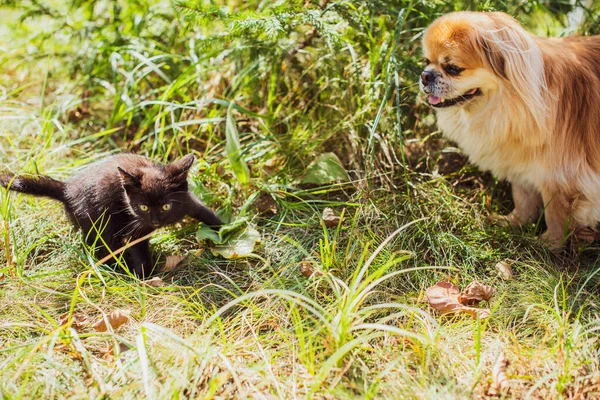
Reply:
x=262, y=327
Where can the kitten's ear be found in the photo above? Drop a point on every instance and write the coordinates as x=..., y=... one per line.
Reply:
x=181, y=167
x=129, y=179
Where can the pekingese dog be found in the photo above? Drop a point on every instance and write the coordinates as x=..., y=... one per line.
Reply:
x=525, y=108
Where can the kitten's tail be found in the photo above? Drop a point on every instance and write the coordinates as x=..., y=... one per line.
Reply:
x=36, y=185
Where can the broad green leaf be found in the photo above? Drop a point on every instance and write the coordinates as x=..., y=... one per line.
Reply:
x=206, y=232
x=234, y=240
x=240, y=244
x=233, y=148
x=327, y=168
x=232, y=227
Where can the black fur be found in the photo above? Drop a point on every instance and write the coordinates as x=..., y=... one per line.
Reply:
x=36, y=185
x=120, y=199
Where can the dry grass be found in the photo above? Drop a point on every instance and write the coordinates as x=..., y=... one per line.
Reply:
x=258, y=327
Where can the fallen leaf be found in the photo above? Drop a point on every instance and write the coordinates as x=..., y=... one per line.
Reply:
x=154, y=282
x=444, y=297
x=500, y=384
x=172, y=262
x=116, y=318
x=327, y=168
x=307, y=268
x=329, y=218
x=270, y=166
x=206, y=232
x=505, y=270
x=68, y=349
x=475, y=293
x=266, y=204
x=108, y=353
x=78, y=321
x=483, y=313
x=241, y=244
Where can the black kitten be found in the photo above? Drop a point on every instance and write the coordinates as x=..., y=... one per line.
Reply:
x=120, y=199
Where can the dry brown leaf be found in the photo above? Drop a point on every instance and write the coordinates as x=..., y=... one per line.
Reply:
x=172, y=262
x=505, y=270
x=116, y=318
x=500, y=384
x=69, y=350
x=475, y=293
x=329, y=218
x=270, y=166
x=108, y=353
x=78, y=321
x=154, y=282
x=265, y=204
x=474, y=312
x=444, y=297
x=307, y=268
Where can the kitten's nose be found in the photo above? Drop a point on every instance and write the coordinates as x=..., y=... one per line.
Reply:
x=427, y=77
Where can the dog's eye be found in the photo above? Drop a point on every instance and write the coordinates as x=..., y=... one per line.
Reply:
x=452, y=69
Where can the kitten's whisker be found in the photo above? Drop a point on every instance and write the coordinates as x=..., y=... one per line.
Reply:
x=128, y=225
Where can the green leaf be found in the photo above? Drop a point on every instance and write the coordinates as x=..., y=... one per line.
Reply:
x=233, y=148
x=327, y=168
x=232, y=227
x=206, y=232
x=234, y=240
x=239, y=245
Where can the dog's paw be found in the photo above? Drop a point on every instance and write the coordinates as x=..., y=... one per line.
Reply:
x=552, y=241
x=504, y=220
x=585, y=236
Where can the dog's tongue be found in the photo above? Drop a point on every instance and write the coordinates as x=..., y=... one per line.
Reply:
x=434, y=100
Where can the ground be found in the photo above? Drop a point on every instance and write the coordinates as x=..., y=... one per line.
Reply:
x=316, y=310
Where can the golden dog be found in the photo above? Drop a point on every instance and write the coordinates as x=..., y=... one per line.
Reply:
x=525, y=108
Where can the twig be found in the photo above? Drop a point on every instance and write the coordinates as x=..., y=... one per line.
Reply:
x=122, y=249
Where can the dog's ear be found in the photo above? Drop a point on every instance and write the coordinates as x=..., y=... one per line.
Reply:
x=510, y=51
x=513, y=55
x=492, y=53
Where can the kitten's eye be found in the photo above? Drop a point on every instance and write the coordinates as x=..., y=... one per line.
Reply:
x=166, y=207
x=144, y=207
x=453, y=70
x=426, y=61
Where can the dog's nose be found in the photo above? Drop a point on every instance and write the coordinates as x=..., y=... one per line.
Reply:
x=427, y=77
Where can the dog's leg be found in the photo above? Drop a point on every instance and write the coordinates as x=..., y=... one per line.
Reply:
x=557, y=214
x=528, y=206
x=584, y=219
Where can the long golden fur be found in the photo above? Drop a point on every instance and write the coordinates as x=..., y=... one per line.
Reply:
x=527, y=109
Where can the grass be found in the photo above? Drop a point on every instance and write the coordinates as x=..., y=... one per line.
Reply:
x=314, y=311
